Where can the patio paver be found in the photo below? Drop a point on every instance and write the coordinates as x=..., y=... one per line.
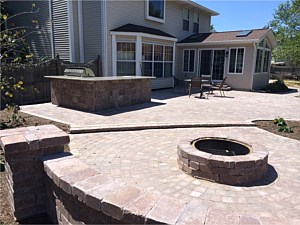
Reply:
x=171, y=109
x=147, y=158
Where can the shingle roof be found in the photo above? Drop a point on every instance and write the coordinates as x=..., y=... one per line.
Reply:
x=225, y=36
x=141, y=29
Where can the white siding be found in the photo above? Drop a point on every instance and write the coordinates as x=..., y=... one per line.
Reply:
x=92, y=29
x=40, y=43
x=61, y=29
x=236, y=81
x=120, y=13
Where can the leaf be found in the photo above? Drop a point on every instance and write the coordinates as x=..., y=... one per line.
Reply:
x=4, y=17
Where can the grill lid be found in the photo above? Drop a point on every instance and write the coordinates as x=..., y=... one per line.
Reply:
x=79, y=72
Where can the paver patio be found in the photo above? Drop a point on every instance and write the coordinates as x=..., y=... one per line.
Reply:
x=169, y=108
x=147, y=158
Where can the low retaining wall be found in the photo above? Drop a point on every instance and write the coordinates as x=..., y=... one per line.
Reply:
x=25, y=175
x=42, y=178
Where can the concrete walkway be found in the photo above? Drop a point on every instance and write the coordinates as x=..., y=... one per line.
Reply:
x=168, y=108
x=147, y=158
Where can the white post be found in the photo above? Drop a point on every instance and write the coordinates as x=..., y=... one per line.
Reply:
x=114, y=54
x=138, y=56
x=80, y=24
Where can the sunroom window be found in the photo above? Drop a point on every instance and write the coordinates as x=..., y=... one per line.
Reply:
x=189, y=60
x=125, y=58
x=155, y=10
x=157, y=60
x=236, y=60
x=263, y=55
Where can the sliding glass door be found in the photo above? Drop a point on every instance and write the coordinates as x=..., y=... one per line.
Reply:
x=211, y=62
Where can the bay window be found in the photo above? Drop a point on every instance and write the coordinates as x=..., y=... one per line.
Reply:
x=157, y=60
x=125, y=59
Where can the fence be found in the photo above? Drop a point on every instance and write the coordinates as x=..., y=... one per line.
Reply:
x=37, y=87
x=285, y=72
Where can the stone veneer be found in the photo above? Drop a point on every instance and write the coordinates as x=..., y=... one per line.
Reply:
x=99, y=93
x=25, y=175
x=231, y=170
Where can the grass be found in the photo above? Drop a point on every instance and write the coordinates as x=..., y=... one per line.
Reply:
x=292, y=83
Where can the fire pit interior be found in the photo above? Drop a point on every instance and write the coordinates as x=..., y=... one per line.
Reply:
x=222, y=160
x=221, y=147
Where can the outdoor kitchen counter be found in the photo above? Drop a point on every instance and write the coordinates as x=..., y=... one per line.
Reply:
x=94, y=94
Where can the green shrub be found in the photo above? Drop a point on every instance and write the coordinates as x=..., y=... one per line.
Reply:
x=282, y=125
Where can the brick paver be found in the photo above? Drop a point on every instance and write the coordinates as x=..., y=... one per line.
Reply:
x=147, y=158
x=169, y=108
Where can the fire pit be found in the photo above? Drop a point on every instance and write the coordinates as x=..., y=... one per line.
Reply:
x=222, y=160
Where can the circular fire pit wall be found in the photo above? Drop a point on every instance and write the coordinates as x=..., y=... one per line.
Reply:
x=221, y=160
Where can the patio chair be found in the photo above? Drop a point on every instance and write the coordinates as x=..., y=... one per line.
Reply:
x=221, y=87
x=206, y=84
x=195, y=83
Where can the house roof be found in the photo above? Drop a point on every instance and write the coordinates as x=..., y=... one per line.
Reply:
x=193, y=4
x=251, y=36
x=141, y=29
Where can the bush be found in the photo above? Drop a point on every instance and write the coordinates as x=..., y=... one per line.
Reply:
x=278, y=86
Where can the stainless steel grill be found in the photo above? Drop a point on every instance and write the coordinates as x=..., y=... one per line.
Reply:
x=79, y=72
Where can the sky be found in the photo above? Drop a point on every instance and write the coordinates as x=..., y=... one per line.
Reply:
x=241, y=14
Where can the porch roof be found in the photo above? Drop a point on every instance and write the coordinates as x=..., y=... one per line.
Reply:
x=230, y=37
x=131, y=28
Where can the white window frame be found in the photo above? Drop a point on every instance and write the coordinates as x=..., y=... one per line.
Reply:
x=120, y=60
x=237, y=48
x=192, y=49
x=148, y=17
x=187, y=19
x=163, y=61
x=196, y=21
x=264, y=49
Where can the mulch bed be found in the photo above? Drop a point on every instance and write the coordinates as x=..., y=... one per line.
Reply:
x=6, y=216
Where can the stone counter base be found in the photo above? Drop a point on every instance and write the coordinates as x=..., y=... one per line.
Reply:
x=94, y=96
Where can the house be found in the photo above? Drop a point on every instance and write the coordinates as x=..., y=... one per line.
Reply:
x=160, y=38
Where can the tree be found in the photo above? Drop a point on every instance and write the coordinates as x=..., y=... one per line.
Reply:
x=15, y=53
x=286, y=26
x=212, y=28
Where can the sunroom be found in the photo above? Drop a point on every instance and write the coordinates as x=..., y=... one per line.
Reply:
x=241, y=56
x=143, y=51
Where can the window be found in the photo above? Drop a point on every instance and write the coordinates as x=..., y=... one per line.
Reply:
x=155, y=10
x=266, y=61
x=196, y=23
x=236, y=60
x=186, y=19
x=157, y=60
x=189, y=60
x=263, y=55
x=125, y=58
